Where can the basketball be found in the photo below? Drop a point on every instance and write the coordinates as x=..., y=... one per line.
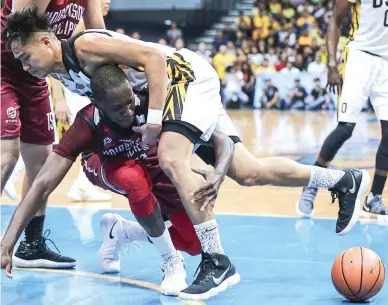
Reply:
x=358, y=274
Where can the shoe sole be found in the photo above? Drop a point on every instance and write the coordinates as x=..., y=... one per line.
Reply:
x=41, y=263
x=172, y=293
x=107, y=221
x=229, y=282
x=365, y=181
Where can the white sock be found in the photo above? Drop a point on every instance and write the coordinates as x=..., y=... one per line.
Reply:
x=209, y=237
x=17, y=171
x=164, y=244
x=324, y=178
x=134, y=231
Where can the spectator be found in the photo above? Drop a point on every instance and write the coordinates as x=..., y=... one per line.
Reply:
x=220, y=40
x=231, y=50
x=282, y=61
x=174, y=33
x=179, y=44
x=290, y=68
x=249, y=81
x=243, y=22
x=272, y=57
x=255, y=57
x=222, y=60
x=136, y=35
x=204, y=52
x=317, y=66
x=162, y=41
x=229, y=33
x=271, y=98
x=299, y=63
x=234, y=95
x=305, y=40
x=120, y=31
x=319, y=98
x=265, y=67
x=306, y=21
x=297, y=96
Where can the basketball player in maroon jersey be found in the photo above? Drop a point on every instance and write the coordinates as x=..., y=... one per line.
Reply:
x=27, y=120
x=110, y=149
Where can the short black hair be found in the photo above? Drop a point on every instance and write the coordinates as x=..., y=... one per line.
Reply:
x=106, y=77
x=21, y=25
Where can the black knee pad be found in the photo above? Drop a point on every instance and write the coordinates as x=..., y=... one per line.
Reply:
x=344, y=130
x=382, y=152
x=335, y=140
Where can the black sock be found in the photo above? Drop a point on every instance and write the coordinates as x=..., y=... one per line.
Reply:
x=319, y=165
x=34, y=229
x=378, y=184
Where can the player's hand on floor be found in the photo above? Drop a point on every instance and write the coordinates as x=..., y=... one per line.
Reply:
x=334, y=81
x=149, y=132
x=6, y=260
x=207, y=193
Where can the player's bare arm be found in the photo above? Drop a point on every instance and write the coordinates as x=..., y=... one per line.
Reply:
x=92, y=17
x=340, y=11
x=19, y=5
x=49, y=177
x=224, y=150
x=62, y=112
x=94, y=50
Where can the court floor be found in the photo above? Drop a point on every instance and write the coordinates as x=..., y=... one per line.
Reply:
x=282, y=259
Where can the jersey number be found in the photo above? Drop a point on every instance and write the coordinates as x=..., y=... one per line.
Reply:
x=377, y=4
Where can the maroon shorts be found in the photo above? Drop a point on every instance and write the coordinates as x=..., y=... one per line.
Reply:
x=98, y=169
x=25, y=108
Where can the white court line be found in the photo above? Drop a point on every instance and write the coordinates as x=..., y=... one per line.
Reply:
x=270, y=260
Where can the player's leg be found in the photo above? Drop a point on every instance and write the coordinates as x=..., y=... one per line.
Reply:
x=36, y=139
x=201, y=104
x=355, y=90
x=129, y=178
x=10, y=130
x=379, y=100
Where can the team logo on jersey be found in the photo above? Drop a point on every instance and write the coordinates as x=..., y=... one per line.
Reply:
x=79, y=86
x=11, y=112
x=107, y=141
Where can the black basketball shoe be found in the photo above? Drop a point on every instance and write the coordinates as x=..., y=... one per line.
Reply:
x=38, y=255
x=216, y=273
x=349, y=190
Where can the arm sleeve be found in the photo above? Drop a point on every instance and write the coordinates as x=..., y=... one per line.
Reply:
x=79, y=138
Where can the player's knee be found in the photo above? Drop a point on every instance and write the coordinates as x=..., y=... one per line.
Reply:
x=344, y=131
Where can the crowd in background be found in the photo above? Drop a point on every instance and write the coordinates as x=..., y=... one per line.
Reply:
x=276, y=36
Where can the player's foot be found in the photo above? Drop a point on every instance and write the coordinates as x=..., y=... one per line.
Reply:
x=38, y=255
x=174, y=275
x=349, y=190
x=374, y=204
x=216, y=273
x=111, y=226
x=92, y=193
x=305, y=204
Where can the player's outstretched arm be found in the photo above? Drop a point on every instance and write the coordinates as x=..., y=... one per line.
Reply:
x=224, y=151
x=51, y=174
x=341, y=9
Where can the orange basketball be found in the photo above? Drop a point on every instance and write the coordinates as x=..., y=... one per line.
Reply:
x=358, y=274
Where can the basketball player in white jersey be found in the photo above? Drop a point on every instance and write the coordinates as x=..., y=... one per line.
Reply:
x=192, y=112
x=363, y=74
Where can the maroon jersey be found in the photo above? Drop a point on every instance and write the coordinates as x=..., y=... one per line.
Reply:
x=91, y=132
x=64, y=15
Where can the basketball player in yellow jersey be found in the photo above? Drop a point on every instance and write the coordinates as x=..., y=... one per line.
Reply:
x=363, y=74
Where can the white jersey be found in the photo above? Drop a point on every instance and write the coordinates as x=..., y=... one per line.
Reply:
x=80, y=83
x=369, y=27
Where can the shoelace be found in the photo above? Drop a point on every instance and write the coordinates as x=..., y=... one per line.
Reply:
x=206, y=264
x=45, y=239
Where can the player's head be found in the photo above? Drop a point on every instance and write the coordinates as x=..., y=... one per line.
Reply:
x=32, y=41
x=105, y=7
x=113, y=95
